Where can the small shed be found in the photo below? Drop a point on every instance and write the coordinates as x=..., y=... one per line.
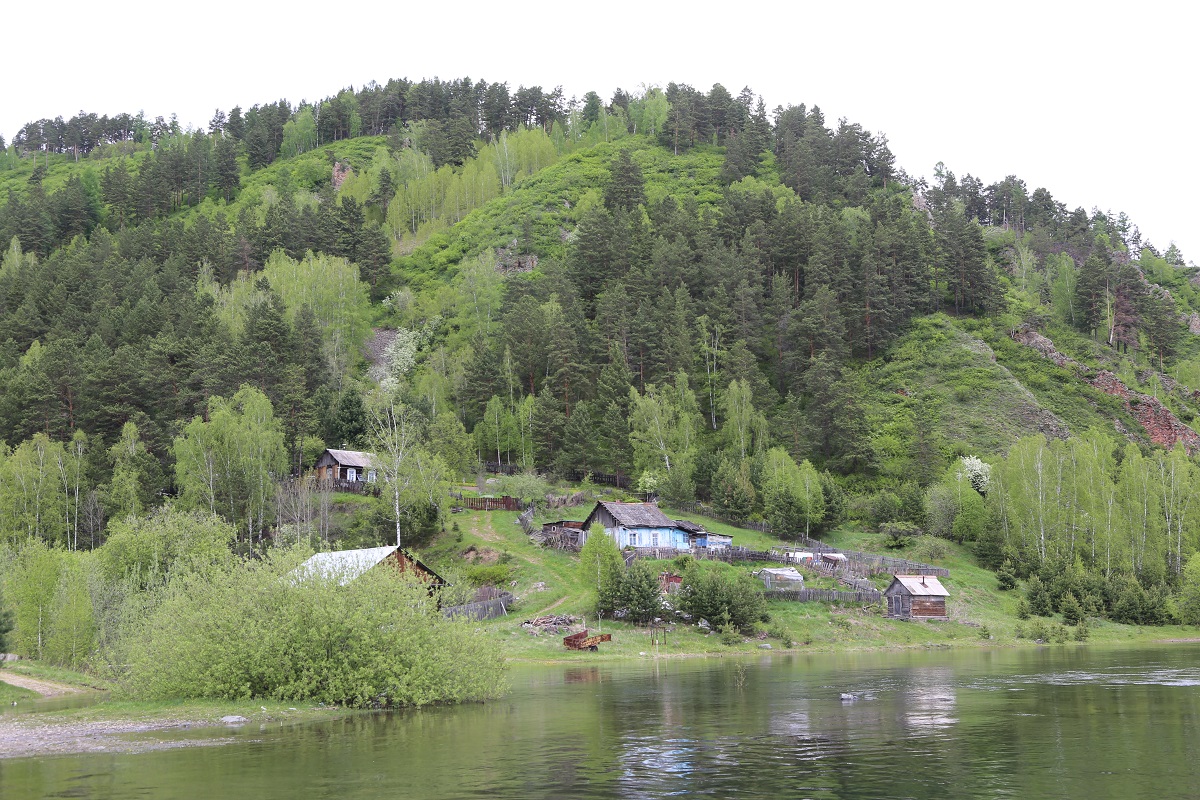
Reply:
x=916, y=597
x=347, y=467
x=834, y=559
x=347, y=565
x=798, y=557
x=781, y=578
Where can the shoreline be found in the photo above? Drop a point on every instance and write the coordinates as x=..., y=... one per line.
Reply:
x=120, y=727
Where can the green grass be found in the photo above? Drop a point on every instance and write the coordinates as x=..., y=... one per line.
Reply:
x=37, y=669
x=977, y=606
x=11, y=694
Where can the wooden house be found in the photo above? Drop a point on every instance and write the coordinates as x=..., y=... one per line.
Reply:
x=347, y=469
x=346, y=565
x=916, y=597
x=638, y=525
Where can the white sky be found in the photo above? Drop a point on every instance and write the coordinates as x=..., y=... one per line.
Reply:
x=1097, y=102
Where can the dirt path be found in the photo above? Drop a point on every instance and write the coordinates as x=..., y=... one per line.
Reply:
x=42, y=687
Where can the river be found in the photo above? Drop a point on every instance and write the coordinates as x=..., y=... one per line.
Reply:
x=1054, y=722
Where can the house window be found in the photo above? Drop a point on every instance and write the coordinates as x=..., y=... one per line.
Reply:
x=371, y=476
x=351, y=475
x=654, y=539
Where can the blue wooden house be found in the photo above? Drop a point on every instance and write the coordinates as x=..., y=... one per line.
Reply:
x=638, y=525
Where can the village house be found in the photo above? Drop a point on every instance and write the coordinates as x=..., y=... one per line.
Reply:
x=347, y=469
x=347, y=565
x=916, y=597
x=638, y=525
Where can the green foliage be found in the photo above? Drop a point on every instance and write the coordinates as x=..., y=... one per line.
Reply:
x=1072, y=612
x=725, y=597
x=489, y=574
x=638, y=591
x=1023, y=609
x=146, y=550
x=1189, y=601
x=1006, y=577
x=261, y=630
x=600, y=567
x=1038, y=595
x=898, y=534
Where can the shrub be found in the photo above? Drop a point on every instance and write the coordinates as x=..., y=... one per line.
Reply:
x=1006, y=577
x=488, y=574
x=930, y=548
x=719, y=593
x=1072, y=612
x=898, y=534
x=260, y=630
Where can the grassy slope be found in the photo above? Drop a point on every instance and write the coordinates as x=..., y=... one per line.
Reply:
x=553, y=199
x=977, y=607
x=984, y=390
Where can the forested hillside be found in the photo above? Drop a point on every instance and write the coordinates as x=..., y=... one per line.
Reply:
x=760, y=310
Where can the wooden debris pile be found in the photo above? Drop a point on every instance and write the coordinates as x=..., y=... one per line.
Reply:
x=552, y=624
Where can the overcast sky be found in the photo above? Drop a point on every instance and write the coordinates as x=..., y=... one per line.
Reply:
x=1097, y=102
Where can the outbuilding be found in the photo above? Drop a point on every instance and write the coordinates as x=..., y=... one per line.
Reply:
x=346, y=565
x=781, y=578
x=916, y=597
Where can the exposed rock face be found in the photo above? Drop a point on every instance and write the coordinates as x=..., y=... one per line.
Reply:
x=1161, y=424
x=1193, y=323
x=341, y=171
x=1031, y=338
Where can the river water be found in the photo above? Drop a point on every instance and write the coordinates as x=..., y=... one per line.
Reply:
x=1055, y=722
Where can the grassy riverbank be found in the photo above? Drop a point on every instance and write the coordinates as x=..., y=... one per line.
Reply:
x=548, y=582
x=981, y=615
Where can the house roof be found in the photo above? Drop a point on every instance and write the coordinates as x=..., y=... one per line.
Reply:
x=637, y=515
x=347, y=565
x=344, y=565
x=921, y=585
x=690, y=527
x=353, y=458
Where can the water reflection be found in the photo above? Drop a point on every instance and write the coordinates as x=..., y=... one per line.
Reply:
x=1030, y=723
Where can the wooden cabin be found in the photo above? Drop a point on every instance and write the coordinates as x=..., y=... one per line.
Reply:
x=347, y=565
x=638, y=525
x=916, y=597
x=347, y=469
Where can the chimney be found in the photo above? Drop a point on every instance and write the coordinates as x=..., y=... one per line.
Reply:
x=922, y=580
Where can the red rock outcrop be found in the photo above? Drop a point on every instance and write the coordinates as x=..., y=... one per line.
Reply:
x=1162, y=426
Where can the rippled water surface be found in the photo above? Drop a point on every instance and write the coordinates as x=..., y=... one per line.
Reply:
x=1056, y=722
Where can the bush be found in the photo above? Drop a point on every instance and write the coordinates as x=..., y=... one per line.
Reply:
x=1006, y=577
x=1072, y=612
x=929, y=549
x=898, y=534
x=639, y=594
x=488, y=574
x=259, y=629
x=719, y=593
x=1038, y=594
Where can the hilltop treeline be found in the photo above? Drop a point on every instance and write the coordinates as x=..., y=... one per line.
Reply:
x=673, y=286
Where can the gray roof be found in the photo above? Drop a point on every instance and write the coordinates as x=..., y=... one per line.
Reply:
x=343, y=565
x=922, y=585
x=353, y=458
x=639, y=515
x=786, y=573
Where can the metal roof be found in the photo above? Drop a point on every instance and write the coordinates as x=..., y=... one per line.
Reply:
x=922, y=585
x=343, y=565
x=353, y=458
x=788, y=573
x=638, y=515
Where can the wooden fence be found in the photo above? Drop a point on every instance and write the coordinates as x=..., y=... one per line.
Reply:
x=526, y=521
x=823, y=596
x=504, y=503
x=484, y=609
